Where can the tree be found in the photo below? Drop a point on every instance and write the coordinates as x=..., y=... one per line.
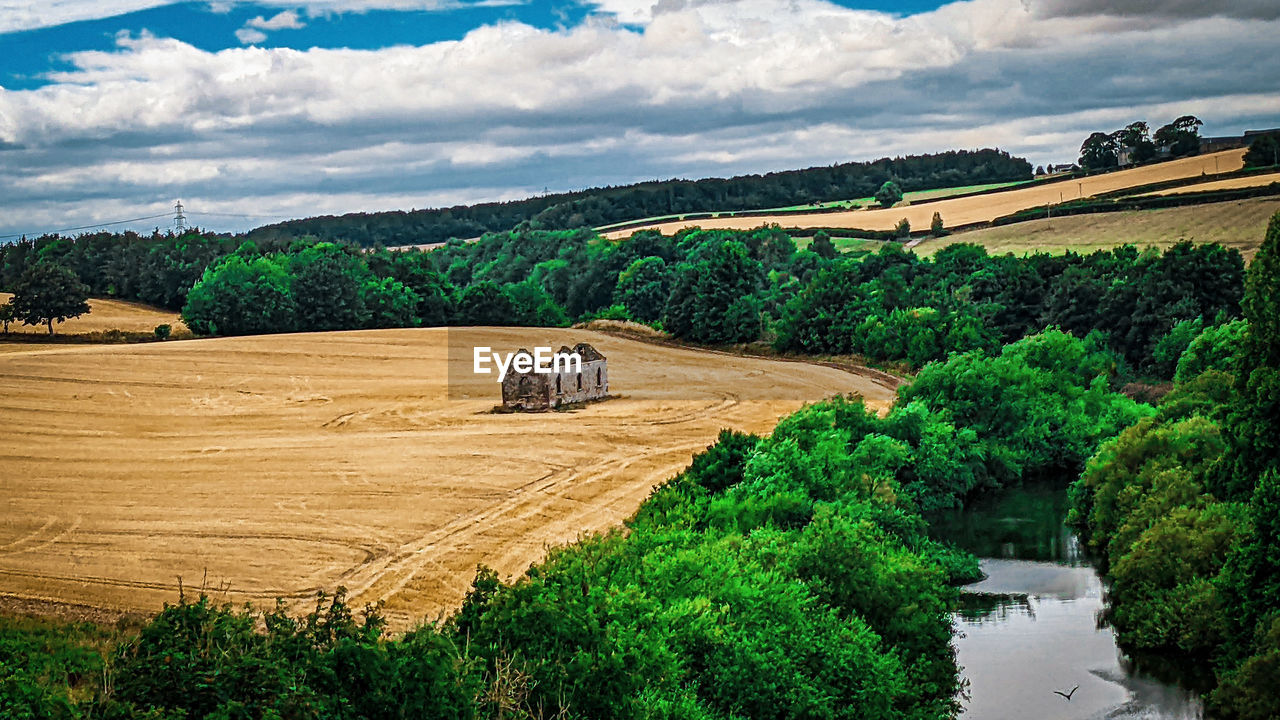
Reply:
x=1135, y=137
x=46, y=293
x=1251, y=427
x=1180, y=137
x=713, y=298
x=1263, y=151
x=6, y=316
x=822, y=245
x=327, y=286
x=935, y=227
x=1098, y=152
x=239, y=296
x=643, y=288
x=903, y=230
x=889, y=194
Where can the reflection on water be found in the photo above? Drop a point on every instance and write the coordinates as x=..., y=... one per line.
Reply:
x=1032, y=626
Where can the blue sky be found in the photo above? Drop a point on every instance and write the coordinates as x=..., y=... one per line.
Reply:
x=254, y=112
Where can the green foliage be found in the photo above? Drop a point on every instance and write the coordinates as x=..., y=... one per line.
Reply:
x=242, y=297
x=935, y=226
x=163, y=331
x=713, y=297
x=1185, y=507
x=902, y=230
x=644, y=287
x=48, y=293
x=1215, y=348
x=822, y=245
x=1098, y=152
x=1169, y=349
x=889, y=194
x=1039, y=407
x=1180, y=137
x=1264, y=151
x=7, y=316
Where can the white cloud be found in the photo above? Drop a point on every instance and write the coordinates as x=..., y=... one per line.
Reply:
x=285, y=20
x=685, y=88
x=250, y=36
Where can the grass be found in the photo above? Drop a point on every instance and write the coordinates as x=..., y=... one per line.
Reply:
x=844, y=244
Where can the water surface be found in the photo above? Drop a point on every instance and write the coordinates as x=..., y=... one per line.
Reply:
x=1033, y=625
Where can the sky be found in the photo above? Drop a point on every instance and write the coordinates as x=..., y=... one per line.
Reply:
x=256, y=112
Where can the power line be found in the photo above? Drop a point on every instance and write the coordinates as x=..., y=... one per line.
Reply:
x=179, y=216
x=84, y=227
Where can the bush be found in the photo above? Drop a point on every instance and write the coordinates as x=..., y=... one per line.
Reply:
x=163, y=331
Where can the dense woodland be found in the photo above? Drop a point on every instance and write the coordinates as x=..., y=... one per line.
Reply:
x=784, y=576
x=712, y=287
x=602, y=206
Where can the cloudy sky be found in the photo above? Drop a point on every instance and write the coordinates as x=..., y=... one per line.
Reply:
x=252, y=112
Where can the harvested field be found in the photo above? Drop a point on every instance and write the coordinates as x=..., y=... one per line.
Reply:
x=280, y=465
x=106, y=315
x=1228, y=184
x=1240, y=224
x=978, y=208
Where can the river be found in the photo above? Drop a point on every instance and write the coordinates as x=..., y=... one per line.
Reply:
x=1034, y=624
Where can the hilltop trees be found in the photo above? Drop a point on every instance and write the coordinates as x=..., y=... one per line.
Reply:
x=46, y=293
x=1099, y=152
x=1180, y=137
x=889, y=194
x=1264, y=151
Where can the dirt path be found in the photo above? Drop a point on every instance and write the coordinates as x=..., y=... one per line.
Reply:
x=281, y=465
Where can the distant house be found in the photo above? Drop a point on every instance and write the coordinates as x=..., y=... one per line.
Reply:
x=1067, y=168
x=534, y=391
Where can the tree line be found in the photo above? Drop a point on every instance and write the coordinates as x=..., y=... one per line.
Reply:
x=710, y=287
x=1184, y=506
x=1180, y=138
x=602, y=206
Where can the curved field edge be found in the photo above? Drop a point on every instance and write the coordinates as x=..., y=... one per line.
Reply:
x=273, y=466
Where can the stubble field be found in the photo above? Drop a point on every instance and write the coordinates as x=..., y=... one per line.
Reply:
x=106, y=314
x=973, y=209
x=281, y=465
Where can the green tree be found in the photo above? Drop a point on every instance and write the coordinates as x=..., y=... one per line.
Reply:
x=47, y=293
x=1264, y=151
x=713, y=298
x=389, y=304
x=822, y=245
x=1180, y=137
x=1098, y=152
x=1135, y=137
x=903, y=230
x=6, y=315
x=236, y=296
x=1252, y=428
x=935, y=227
x=889, y=194
x=644, y=287
x=327, y=286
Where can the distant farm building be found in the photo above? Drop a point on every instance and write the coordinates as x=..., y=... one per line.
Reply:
x=561, y=386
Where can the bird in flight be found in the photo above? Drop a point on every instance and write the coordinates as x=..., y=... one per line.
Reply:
x=1067, y=695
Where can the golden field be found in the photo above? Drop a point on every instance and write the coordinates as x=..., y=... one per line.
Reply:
x=105, y=314
x=276, y=466
x=978, y=208
x=1240, y=224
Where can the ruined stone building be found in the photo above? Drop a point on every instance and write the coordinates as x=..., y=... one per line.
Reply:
x=535, y=390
